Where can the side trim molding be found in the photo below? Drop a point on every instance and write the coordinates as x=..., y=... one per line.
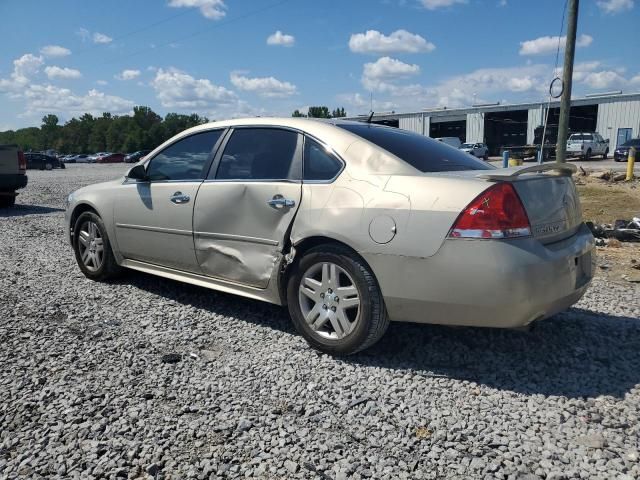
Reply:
x=237, y=238
x=172, y=231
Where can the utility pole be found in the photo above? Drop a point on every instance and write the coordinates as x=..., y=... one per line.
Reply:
x=567, y=74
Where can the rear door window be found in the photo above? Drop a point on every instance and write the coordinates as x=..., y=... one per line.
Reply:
x=263, y=154
x=422, y=153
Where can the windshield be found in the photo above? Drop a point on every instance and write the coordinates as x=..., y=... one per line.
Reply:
x=466, y=145
x=632, y=143
x=581, y=136
x=423, y=153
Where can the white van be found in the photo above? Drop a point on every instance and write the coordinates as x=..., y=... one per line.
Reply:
x=453, y=141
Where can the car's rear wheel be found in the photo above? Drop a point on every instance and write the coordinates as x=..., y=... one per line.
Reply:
x=93, y=249
x=335, y=301
x=48, y=166
x=587, y=156
x=605, y=154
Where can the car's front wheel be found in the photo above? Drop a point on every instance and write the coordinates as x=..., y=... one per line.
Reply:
x=335, y=301
x=93, y=249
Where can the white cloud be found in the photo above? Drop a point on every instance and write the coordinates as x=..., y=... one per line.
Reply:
x=127, y=75
x=84, y=34
x=54, y=51
x=177, y=89
x=402, y=41
x=49, y=98
x=281, y=39
x=545, y=45
x=604, y=79
x=358, y=101
x=211, y=9
x=635, y=80
x=615, y=6
x=269, y=87
x=435, y=4
x=101, y=38
x=102, y=82
x=62, y=72
x=376, y=75
x=23, y=69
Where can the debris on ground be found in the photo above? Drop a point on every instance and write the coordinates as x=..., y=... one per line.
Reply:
x=171, y=358
x=621, y=230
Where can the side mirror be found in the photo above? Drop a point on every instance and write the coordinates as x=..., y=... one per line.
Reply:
x=137, y=173
x=606, y=140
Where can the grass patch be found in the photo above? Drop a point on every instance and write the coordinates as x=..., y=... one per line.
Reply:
x=604, y=203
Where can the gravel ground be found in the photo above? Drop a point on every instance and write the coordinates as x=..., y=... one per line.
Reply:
x=87, y=387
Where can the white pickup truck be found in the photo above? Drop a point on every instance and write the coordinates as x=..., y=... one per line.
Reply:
x=587, y=145
x=12, y=174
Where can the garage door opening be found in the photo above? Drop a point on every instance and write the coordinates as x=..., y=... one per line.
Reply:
x=581, y=119
x=451, y=128
x=505, y=129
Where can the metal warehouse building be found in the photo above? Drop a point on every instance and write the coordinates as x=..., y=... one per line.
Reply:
x=615, y=116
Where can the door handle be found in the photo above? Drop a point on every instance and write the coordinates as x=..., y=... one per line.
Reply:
x=278, y=201
x=179, y=198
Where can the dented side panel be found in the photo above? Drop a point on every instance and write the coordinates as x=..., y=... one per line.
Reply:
x=238, y=236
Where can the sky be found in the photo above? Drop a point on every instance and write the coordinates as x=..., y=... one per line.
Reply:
x=235, y=58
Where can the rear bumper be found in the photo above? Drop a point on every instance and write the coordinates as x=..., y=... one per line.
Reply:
x=12, y=182
x=487, y=283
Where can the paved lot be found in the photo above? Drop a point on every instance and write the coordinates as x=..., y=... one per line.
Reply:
x=84, y=392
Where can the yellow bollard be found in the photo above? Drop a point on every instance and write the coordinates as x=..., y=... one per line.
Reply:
x=515, y=162
x=631, y=163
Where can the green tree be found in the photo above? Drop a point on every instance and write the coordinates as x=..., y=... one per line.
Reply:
x=296, y=113
x=318, y=112
x=338, y=112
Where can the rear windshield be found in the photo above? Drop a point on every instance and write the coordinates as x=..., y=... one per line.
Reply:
x=423, y=153
x=581, y=136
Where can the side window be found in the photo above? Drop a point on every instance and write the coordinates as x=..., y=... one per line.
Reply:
x=185, y=159
x=258, y=154
x=318, y=163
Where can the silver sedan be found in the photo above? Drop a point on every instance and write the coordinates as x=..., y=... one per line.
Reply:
x=348, y=224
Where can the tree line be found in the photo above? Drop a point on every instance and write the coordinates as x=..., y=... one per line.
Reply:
x=144, y=130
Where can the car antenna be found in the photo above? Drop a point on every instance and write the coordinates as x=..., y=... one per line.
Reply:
x=370, y=117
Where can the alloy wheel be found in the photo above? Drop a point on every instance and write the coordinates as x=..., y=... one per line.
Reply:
x=329, y=300
x=91, y=246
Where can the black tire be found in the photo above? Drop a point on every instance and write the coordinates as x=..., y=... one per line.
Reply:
x=587, y=156
x=108, y=269
x=7, y=201
x=48, y=166
x=372, y=317
x=605, y=154
x=63, y=166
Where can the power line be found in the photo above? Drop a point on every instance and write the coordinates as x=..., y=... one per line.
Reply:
x=200, y=32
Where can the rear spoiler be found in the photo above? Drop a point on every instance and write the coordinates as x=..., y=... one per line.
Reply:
x=511, y=173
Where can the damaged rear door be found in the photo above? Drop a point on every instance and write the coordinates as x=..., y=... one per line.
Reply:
x=245, y=207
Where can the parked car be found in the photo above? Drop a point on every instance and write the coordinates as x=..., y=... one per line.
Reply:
x=111, y=158
x=42, y=162
x=349, y=224
x=136, y=156
x=82, y=158
x=587, y=145
x=13, y=176
x=453, y=141
x=94, y=158
x=479, y=150
x=621, y=154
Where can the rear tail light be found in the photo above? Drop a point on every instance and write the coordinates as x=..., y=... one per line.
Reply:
x=22, y=161
x=495, y=213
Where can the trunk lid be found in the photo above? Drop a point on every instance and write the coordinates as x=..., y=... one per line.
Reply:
x=550, y=199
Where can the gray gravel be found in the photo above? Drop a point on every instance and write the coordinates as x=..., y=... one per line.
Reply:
x=89, y=386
